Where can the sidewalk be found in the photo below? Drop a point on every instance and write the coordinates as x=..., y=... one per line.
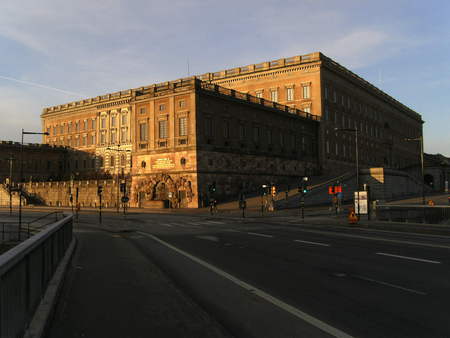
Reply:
x=114, y=290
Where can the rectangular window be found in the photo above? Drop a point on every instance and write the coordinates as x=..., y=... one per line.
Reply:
x=113, y=121
x=143, y=132
x=208, y=127
x=142, y=110
x=123, y=136
x=162, y=107
x=69, y=142
x=48, y=130
x=326, y=93
x=93, y=124
x=241, y=132
x=77, y=126
x=61, y=129
x=77, y=142
x=326, y=113
x=103, y=123
x=182, y=124
x=328, y=147
x=334, y=96
x=256, y=134
x=290, y=94
x=306, y=92
x=93, y=140
x=69, y=127
x=103, y=138
x=259, y=94
x=54, y=130
x=307, y=110
x=113, y=136
x=337, y=149
x=124, y=119
x=226, y=129
x=85, y=125
x=269, y=136
x=84, y=140
x=181, y=103
x=163, y=132
x=274, y=95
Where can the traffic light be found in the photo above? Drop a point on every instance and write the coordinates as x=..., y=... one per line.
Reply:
x=273, y=190
x=99, y=190
x=212, y=187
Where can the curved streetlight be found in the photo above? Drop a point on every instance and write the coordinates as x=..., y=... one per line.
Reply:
x=354, y=130
x=420, y=139
x=21, y=173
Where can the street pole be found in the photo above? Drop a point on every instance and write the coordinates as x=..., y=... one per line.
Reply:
x=357, y=166
x=21, y=174
x=422, y=169
x=10, y=184
x=20, y=185
x=100, y=211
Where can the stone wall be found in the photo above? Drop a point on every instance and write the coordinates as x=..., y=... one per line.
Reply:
x=58, y=193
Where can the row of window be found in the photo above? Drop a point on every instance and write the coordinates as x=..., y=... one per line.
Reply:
x=88, y=124
x=289, y=92
x=162, y=107
x=163, y=129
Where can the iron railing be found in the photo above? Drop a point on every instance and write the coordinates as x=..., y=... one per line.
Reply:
x=25, y=272
x=437, y=214
x=11, y=232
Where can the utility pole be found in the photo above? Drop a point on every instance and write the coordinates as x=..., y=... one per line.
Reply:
x=10, y=159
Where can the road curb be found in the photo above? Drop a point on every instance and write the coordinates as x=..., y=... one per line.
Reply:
x=41, y=317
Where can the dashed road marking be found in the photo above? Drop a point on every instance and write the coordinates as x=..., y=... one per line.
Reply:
x=409, y=258
x=260, y=235
x=313, y=243
x=389, y=284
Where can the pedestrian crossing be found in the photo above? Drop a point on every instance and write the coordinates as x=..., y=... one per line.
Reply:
x=192, y=224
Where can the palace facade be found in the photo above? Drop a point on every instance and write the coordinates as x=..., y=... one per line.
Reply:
x=239, y=128
x=178, y=138
x=315, y=83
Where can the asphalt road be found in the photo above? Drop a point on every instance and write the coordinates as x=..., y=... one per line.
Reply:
x=283, y=279
x=363, y=283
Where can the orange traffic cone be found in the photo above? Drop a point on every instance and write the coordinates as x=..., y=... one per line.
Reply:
x=352, y=218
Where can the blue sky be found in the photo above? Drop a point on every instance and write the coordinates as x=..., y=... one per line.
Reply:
x=52, y=51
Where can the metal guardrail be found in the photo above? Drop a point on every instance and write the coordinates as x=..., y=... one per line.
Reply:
x=10, y=231
x=438, y=214
x=25, y=272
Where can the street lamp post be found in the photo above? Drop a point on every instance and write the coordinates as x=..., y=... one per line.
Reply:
x=354, y=130
x=118, y=193
x=21, y=174
x=10, y=159
x=420, y=139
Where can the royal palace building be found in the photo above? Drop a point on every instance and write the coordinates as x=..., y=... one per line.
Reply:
x=239, y=128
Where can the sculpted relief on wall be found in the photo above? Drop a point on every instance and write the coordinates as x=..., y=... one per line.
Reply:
x=163, y=187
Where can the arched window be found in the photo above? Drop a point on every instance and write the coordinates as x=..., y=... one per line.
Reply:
x=123, y=160
x=112, y=162
x=143, y=164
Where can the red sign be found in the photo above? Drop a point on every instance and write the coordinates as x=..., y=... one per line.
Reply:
x=332, y=190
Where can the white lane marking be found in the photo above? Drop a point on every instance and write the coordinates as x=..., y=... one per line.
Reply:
x=313, y=243
x=271, y=299
x=337, y=234
x=213, y=222
x=260, y=235
x=409, y=258
x=209, y=238
x=166, y=225
x=390, y=285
